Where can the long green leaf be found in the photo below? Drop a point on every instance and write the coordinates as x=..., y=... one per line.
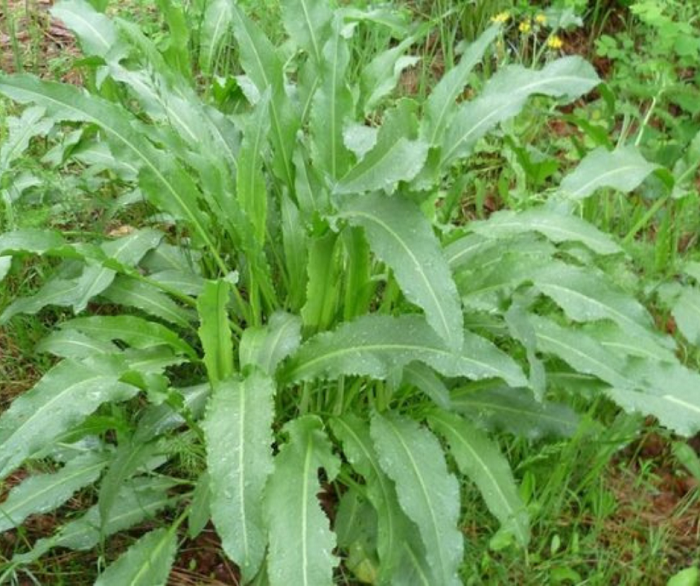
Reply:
x=20, y=131
x=36, y=241
x=263, y=65
x=580, y=351
x=293, y=512
x=146, y=563
x=479, y=458
x=94, y=30
x=215, y=27
x=214, y=331
x=165, y=183
x=380, y=76
x=429, y=495
x=238, y=430
x=515, y=411
x=332, y=104
x=266, y=347
x=623, y=169
x=425, y=379
x=65, y=396
x=129, y=457
x=42, y=493
x=506, y=94
x=135, y=331
x=686, y=312
x=666, y=391
x=250, y=181
x=557, y=227
x=441, y=103
x=323, y=283
x=587, y=296
x=358, y=448
x=147, y=298
x=401, y=236
x=377, y=345
x=307, y=23
x=138, y=500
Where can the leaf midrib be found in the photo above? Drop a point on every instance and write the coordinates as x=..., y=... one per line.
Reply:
x=447, y=333
x=426, y=498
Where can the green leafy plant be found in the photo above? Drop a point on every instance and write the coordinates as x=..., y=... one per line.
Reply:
x=302, y=313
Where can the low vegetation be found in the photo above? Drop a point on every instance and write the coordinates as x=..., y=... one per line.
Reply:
x=403, y=295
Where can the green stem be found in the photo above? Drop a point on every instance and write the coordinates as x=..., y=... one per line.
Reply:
x=651, y=212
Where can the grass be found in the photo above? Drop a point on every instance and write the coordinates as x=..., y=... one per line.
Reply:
x=610, y=506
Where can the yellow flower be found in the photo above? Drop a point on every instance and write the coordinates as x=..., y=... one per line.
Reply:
x=541, y=19
x=501, y=17
x=555, y=42
x=525, y=26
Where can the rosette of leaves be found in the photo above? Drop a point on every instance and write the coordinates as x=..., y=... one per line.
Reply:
x=314, y=327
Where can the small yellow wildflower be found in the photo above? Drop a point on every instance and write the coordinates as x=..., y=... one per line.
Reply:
x=501, y=17
x=541, y=19
x=525, y=26
x=555, y=42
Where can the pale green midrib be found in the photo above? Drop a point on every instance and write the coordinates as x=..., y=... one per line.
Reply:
x=672, y=399
x=416, y=564
x=447, y=332
x=603, y=176
x=267, y=358
x=334, y=85
x=304, y=513
x=452, y=260
x=523, y=93
x=93, y=29
x=81, y=343
x=212, y=47
x=273, y=107
x=148, y=562
x=451, y=96
x=543, y=226
x=53, y=400
x=373, y=347
x=372, y=165
x=174, y=317
x=56, y=540
x=609, y=309
x=25, y=135
x=307, y=22
x=498, y=407
x=494, y=483
x=35, y=495
x=242, y=468
x=378, y=474
x=426, y=498
x=616, y=375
